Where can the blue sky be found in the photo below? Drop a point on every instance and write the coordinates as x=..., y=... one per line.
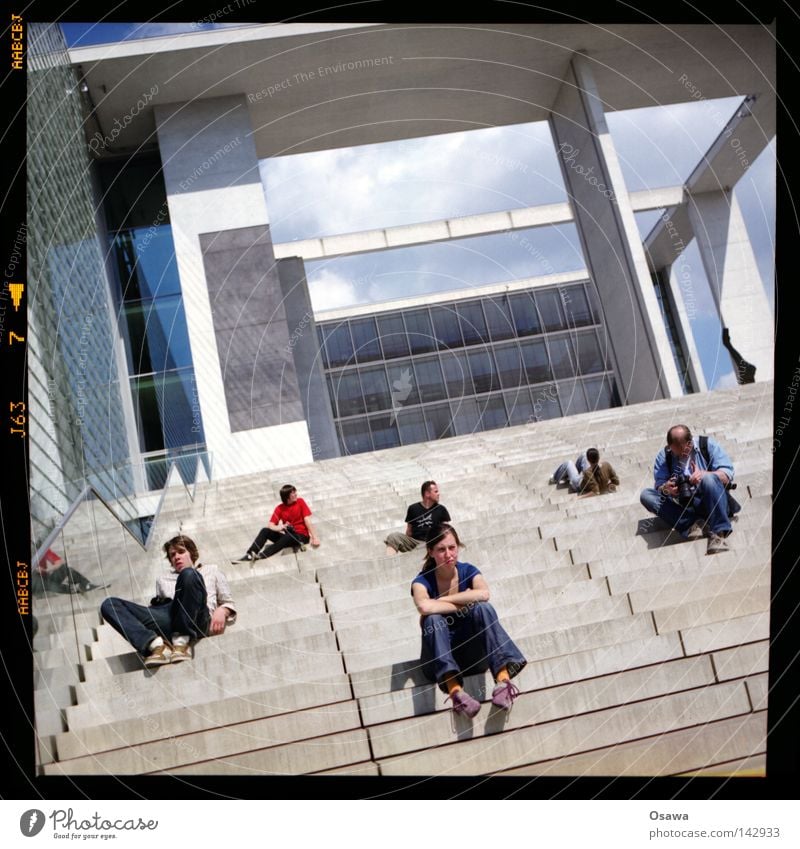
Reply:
x=487, y=170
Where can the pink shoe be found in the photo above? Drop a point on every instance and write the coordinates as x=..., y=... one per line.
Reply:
x=464, y=703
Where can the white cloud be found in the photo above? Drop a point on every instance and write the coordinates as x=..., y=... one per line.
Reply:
x=727, y=381
x=328, y=290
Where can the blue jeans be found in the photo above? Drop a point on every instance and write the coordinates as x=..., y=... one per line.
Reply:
x=187, y=614
x=710, y=502
x=573, y=471
x=464, y=643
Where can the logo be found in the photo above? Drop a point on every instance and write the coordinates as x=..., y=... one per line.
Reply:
x=401, y=389
x=31, y=822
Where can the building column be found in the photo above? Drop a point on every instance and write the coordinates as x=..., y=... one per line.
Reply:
x=610, y=240
x=245, y=382
x=734, y=278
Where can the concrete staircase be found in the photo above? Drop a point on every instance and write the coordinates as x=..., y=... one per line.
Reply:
x=645, y=656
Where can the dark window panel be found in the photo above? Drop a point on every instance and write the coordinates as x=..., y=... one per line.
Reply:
x=375, y=388
x=498, y=318
x=411, y=424
x=576, y=306
x=384, y=432
x=402, y=383
x=493, y=412
x=457, y=375
x=421, y=337
x=509, y=366
x=158, y=335
x=519, y=406
x=483, y=372
x=392, y=333
x=347, y=391
x=570, y=394
x=145, y=262
x=445, y=327
x=590, y=359
x=355, y=436
x=338, y=344
x=321, y=343
x=473, y=325
x=465, y=416
x=535, y=360
x=545, y=402
x=523, y=309
x=439, y=421
x=366, y=346
x=163, y=406
x=552, y=314
x=599, y=393
x=429, y=380
x=561, y=358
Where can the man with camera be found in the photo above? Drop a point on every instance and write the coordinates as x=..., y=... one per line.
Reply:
x=692, y=479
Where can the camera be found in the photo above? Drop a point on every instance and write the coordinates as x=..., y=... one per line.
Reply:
x=685, y=489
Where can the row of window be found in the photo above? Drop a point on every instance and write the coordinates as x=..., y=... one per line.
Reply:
x=470, y=415
x=454, y=325
x=456, y=374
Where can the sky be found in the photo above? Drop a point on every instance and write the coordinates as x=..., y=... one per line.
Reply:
x=487, y=170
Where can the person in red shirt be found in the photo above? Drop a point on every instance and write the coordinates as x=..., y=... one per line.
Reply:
x=289, y=526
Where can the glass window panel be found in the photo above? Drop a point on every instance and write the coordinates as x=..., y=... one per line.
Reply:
x=561, y=358
x=465, y=416
x=366, y=346
x=493, y=412
x=393, y=336
x=570, y=394
x=158, y=336
x=403, y=383
x=535, y=360
x=355, y=436
x=384, y=432
x=523, y=310
x=545, y=402
x=509, y=366
x=587, y=348
x=145, y=261
x=439, y=421
x=576, y=306
x=519, y=406
x=473, y=325
x=167, y=411
x=321, y=343
x=347, y=392
x=483, y=373
x=338, y=344
x=445, y=327
x=599, y=393
x=420, y=332
x=429, y=380
x=457, y=376
x=412, y=426
x=549, y=303
x=498, y=318
x=133, y=192
x=375, y=388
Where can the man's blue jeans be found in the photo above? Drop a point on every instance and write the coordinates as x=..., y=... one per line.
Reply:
x=710, y=503
x=573, y=471
x=187, y=614
x=466, y=642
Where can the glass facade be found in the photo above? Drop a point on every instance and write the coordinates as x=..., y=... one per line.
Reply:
x=151, y=314
x=661, y=284
x=475, y=364
x=77, y=426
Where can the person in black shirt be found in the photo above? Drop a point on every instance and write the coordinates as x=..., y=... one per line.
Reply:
x=421, y=518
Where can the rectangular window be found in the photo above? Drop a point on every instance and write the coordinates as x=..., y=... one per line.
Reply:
x=509, y=366
x=483, y=372
x=545, y=402
x=535, y=360
x=355, y=436
x=438, y=421
x=465, y=416
x=498, y=318
x=590, y=359
x=384, y=432
x=600, y=393
x=429, y=380
x=576, y=306
x=493, y=412
x=519, y=406
x=166, y=409
x=473, y=325
x=523, y=309
x=402, y=383
x=411, y=424
x=393, y=336
x=338, y=345
x=570, y=394
x=549, y=303
x=445, y=327
x=420, y=332
x=366, y=346
x=457, y=376
x=561, y=358
x=158, y=335
x=375, y=388
x=347, y=392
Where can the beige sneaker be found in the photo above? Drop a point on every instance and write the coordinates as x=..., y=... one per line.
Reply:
x=159, y=656
x=696, y=531
x=181, y=652
x=717, y=544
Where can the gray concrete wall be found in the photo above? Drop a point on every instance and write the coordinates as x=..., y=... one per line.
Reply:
x=303, y=347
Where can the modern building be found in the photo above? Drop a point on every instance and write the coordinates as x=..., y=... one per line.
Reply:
x=207, y=343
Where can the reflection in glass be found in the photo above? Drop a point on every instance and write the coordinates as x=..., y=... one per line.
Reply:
x=158, y=336
x=549, y=303
x=338, y=345
x=561, y=357
x=384, y=432
x=445, y=327
x=429, y=379
x=483, y=374
x=473, y=326
x=523, y=310
x=166, y=410
x=375, y=388
x=365, y=340
x=347, y=391
x=402, y=383
x=589, y=357
x=576, y=306
x=509, y=366
x=498, y=318
x=420, y=332
x=457, y=376
x=393, y=336
x=535, y=360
